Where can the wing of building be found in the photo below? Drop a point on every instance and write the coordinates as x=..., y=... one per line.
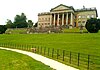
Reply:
x=63, y=15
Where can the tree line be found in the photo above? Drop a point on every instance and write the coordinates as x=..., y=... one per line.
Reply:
x=20, y=21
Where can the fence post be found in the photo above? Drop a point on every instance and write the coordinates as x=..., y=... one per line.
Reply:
x=48, y=51
x=38, y=49
x=70, y=58
x=88, y=61
x=41, y=50
x=63, y=54
x=78, y=59
x=52, y=52
x=57, y=53
x=22, y=46
x=35, y=48
x=27, y=47
x=44, y=50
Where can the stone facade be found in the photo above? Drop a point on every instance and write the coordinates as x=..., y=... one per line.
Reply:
x=63, y=15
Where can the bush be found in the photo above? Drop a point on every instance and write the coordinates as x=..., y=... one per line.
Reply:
x=2, y=29
x=92, y=25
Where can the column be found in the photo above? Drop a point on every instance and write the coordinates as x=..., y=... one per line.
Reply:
x=58, y=20
x=54, y=19
x=71, y=19
x=63, y=19
x=50, y=19
x=66, y=18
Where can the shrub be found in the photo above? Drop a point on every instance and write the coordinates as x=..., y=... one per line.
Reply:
x=92, y=25
x=2, y=29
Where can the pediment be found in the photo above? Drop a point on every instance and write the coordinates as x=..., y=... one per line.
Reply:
x=61, y=7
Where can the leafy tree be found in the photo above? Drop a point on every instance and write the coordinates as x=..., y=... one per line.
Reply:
x=2, y=29
x=99, y=23
x=20, y=21
x=30, y=23
x=9, y=24
x=36, y=24
x=92, y=25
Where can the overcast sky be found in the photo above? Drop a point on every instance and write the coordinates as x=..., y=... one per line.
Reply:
x=31, y=8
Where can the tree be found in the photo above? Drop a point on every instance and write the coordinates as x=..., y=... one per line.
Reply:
x=36, y=24
x=30, y=23
x=99, y=23
x=20, y=21
x=2, y=29
x=92, y=25
x=9, y=24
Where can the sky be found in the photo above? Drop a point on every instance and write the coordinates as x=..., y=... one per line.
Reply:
x=10, y=8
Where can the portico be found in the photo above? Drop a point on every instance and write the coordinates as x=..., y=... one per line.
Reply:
x=62, y=19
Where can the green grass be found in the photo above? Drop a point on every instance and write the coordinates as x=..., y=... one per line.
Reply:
x=15, y=61
x=84, y=43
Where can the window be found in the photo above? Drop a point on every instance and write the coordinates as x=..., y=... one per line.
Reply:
x=45, y=18
x=83, y=16
x=92, y=16
x=88, y=16
x=39, y=19
x=79, y=21
x=42, y=18
x=48, y=18
x=79, y=16
x=83, y=21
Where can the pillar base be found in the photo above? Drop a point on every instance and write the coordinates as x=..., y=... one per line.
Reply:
x=70, y=26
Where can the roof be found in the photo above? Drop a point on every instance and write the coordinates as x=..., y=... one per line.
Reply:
x=44, y=13
x=71, y=7
x=87, y=9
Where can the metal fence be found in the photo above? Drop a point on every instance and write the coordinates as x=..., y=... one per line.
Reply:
x=78, y=60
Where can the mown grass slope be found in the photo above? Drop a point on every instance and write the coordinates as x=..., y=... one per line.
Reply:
x=87, y=43
x=15, y=61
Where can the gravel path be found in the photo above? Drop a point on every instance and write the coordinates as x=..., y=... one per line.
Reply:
x=52, y=63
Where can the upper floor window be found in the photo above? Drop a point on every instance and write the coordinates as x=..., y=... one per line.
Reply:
x=39, y=18
x=45, y=23
x=48, y=18
x=83, y=16
x=42, y=18
x=88, y=16
x=92, y=16
x=79, y=16
x=45, y=18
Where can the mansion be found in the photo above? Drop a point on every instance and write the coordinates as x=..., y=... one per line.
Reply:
x=63, y=15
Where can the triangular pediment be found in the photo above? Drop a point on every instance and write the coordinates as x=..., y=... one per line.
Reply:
x=61, y=7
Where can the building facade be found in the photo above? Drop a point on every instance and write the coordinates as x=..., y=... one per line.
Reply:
x=63, y=15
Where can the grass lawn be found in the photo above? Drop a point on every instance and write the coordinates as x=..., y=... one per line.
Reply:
x=85, y=43
x=15, y=61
